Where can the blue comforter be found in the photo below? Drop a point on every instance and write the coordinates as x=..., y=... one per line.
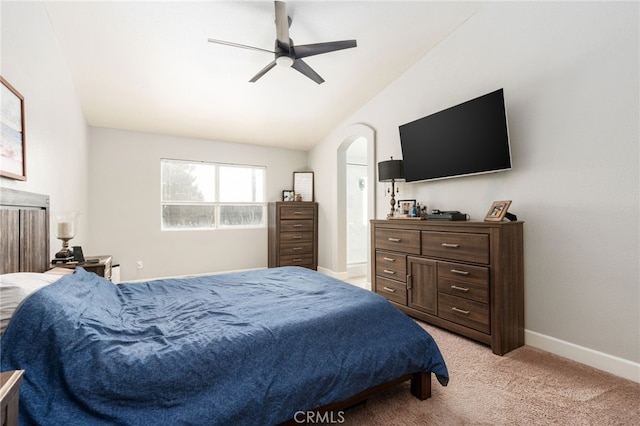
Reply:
x=247, y=348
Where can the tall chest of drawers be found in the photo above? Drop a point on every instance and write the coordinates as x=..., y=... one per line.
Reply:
x=293, y=234
x=467, y=277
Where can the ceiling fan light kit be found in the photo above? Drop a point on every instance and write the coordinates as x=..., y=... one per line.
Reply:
x=284, y=61
x=285, y=53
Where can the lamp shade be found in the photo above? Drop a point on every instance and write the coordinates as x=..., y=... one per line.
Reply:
x=390, y=169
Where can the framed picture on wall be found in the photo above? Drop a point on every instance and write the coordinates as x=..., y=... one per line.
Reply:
x=12, y=143
x=303, y=185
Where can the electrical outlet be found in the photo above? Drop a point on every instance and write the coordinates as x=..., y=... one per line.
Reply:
x=139, y=264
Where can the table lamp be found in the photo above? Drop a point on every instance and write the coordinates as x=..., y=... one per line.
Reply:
x=65, y=228
x=390, y=171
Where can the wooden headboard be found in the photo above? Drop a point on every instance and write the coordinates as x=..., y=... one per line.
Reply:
x=24, y=231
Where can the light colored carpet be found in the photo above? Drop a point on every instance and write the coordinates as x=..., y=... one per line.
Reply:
x=525, y=387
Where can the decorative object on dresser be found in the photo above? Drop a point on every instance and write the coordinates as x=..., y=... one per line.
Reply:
x=65, y=231
x=288, y=195
x=390, y=171
x=99, y=265
x=303, y=186
x=10, y=382
x=12, y=144
x=467, y=277
x=293, y=234
x=24, y=227
x=497, y=211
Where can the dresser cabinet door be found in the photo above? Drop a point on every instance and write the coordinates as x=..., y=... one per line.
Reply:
x=422, y=282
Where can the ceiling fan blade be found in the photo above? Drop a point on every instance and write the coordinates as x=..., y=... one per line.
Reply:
x=320, y=48
x=262, y=72
x=301, y=66
x=243, y=46
x=282, y=26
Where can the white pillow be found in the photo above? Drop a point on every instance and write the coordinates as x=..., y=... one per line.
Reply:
x=14, y=288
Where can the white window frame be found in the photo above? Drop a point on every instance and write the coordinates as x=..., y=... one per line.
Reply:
x=216, y=204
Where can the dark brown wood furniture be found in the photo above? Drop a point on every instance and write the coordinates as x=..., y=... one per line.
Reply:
x=100, y=266
x=24, y=231
x=10, y=382
x=293, y=234
x=467, y=277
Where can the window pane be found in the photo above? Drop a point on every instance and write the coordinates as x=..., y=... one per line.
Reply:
x=241, y=184
x=185, y=181
x=231, y=215
x=188, y=216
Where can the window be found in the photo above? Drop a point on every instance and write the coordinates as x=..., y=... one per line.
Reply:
x=197, y=195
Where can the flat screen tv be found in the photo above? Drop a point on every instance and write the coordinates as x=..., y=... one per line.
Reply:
x=466, y=139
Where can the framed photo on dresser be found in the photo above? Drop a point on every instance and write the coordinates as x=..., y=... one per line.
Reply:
x=303, y=185
x=497, y=211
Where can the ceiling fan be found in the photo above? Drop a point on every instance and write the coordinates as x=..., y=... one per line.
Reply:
x=286, y=54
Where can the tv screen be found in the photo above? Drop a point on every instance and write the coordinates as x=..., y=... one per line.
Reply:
x=466, y=139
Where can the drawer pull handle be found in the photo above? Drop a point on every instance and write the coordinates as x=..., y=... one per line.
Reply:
x=297, y=248
x=455, y=287
x=459, y=272
x=297, y=212
x=297, y=225
x=460, y=311
x=389, y=259
x=390, y=290
x=449, y=245
x=297, y=260
x=297, y=237
x=394, y=240
x=386, y=271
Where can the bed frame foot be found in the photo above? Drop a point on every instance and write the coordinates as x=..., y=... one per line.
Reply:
x=421, y=385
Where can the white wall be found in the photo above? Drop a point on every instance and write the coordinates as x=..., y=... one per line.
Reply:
x=571, y=77
x=125, y=204
x=55, y=128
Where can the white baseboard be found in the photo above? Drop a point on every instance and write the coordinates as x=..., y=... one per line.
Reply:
x=611, y=364
x=339, y=275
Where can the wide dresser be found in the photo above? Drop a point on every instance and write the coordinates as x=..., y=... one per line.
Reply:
x=466, y=277
x=293, y=234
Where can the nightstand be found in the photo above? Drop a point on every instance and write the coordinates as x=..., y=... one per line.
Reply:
x=9, y=393
x=99, y=265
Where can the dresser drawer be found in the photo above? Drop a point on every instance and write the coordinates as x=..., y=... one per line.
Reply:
x=296, y=260
x=296, y=212
x=405, y=241
x=292, y=237
x=464, y=312
x=300, y=225
x=296, y=248
x=456, y=246
x=467, y=290
x=392, y=290
x=461, y=272
x=391, y=265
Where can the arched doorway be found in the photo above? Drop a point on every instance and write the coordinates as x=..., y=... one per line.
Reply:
x=356, y=202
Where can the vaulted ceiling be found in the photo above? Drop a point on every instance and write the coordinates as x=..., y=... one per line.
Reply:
x=147, y=66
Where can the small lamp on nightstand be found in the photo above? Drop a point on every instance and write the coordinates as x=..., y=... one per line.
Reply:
x=390, y=171
x=65, y=227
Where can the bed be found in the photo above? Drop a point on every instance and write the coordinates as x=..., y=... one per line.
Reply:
x=256, y=347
